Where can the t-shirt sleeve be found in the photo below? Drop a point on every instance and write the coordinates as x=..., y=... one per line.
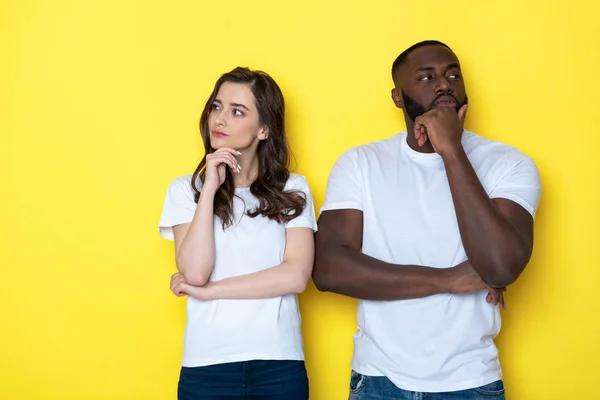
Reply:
x=179, y=207
x=520, y=184
x=344, y=187
x=307, y=218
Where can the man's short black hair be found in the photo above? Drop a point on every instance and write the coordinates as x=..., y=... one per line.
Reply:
x=401, y=59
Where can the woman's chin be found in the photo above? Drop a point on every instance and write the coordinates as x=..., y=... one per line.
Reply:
x=217, y=143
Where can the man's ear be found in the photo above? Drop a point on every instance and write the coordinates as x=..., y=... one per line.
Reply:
x=263, y=133
x=397, y=98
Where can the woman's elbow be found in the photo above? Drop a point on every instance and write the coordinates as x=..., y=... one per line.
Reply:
x=193, y=278
x=196, y=279
x=194, y=275
x=300, y=283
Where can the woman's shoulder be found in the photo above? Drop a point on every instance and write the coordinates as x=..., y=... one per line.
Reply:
x=296, y=181
x=180, y=182
x=182, y=186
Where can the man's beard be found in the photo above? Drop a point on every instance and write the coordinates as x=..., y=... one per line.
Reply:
x=414, y=109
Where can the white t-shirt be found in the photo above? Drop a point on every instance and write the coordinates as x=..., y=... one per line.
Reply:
x=231, y=330
x=443, y=342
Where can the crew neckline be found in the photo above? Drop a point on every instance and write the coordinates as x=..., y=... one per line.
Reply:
x=425, y=157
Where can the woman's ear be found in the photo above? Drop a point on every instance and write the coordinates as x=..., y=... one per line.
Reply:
x=263, y=133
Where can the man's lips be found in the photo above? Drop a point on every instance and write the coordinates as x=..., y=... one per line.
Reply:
x=445, y=101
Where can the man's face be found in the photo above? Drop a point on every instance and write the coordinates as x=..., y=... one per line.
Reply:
x=430, y=78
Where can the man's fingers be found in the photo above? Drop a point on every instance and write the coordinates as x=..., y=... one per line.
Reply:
x=501, y=302
x=462, y=113
x=493, y=299
x=497, y=297
x=420, y=134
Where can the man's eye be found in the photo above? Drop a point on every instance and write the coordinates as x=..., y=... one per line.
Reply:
x=425, y=78
x=454, y=76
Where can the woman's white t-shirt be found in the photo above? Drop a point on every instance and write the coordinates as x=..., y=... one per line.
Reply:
x=230, y=330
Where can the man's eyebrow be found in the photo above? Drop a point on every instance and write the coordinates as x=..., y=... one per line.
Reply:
x=423, y=69
x=449, y=66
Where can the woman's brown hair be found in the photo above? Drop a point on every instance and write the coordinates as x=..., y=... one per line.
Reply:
x=273, y=154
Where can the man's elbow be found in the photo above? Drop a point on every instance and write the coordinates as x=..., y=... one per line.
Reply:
x=321, y=278
x=321, y=284
x=507, y=270
x=501, y=279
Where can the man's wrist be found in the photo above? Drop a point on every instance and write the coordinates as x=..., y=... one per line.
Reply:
x=453, y=154
x=444, y=280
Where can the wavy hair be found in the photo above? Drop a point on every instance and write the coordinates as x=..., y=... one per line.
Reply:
x=273, y=154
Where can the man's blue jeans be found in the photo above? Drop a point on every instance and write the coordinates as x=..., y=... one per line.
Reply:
x=363, y=387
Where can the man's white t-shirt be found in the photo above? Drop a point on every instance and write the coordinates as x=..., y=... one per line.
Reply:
x=443, y=342
x=230, y=330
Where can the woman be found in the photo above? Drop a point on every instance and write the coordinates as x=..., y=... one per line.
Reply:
x=243, y=230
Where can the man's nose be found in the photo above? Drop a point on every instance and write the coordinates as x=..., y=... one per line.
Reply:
x=443, y=86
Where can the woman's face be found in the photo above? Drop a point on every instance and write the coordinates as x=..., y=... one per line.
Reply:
x=233, y=120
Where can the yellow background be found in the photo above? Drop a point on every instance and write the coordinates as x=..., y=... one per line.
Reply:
x=99, y=104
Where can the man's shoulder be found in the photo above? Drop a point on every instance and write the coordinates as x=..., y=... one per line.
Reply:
x=376, y=149
x=477, y=146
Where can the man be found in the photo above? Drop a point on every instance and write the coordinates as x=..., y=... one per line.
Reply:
x=444, y=219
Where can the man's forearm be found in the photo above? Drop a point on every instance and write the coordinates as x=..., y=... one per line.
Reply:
x=351, y=273
x=495, y=247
